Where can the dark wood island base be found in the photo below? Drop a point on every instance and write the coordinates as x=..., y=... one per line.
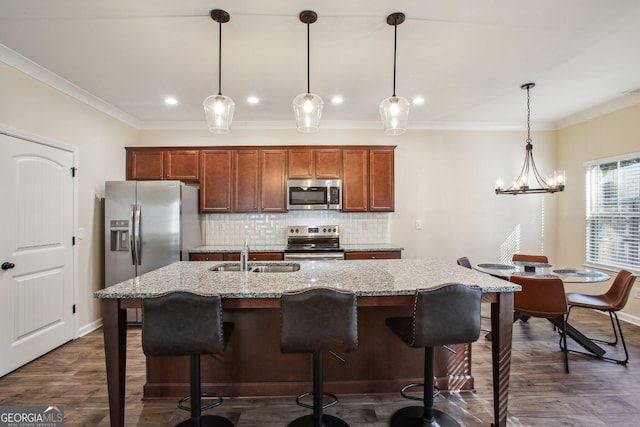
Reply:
x=254, y=366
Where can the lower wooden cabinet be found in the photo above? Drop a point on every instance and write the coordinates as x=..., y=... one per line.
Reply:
x=373, y=255
x=206, y=256
x=235, y=256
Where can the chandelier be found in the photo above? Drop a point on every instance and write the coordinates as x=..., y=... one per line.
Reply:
x=530, y=181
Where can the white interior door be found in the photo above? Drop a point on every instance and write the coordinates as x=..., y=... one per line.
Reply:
x=36, y=279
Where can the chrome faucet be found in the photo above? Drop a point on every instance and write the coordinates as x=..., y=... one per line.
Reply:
x=244, y=258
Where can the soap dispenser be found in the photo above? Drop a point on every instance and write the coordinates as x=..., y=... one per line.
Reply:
x=244, y=258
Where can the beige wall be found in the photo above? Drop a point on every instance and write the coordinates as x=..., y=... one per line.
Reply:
x=30, y=106
x=613, y=134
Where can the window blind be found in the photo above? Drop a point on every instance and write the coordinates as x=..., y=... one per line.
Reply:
x=613, y=213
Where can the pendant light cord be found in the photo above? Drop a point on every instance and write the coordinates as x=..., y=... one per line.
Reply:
x=395, y=45
x=528, y=119
x=308, y=61
x=220, y=58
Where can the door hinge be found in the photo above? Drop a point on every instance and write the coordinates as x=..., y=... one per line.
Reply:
x=73, y=171
x=73, y=240
x=73, y=309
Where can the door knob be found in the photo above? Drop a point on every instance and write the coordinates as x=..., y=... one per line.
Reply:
x=7, y=265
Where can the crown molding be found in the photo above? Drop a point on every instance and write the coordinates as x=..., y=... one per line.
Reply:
x=38, y=72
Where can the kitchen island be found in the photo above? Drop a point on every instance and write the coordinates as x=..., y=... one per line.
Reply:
x=254, y=365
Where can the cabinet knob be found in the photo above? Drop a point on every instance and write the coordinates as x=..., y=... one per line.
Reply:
x=7, y=265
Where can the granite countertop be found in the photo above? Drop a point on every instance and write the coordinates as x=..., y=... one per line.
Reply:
x=356, y=247
x=365, y=278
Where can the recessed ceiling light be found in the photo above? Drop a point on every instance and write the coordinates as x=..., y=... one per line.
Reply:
x=253, y=100
x=337, y=99
x=170, y=100
x=418, y=100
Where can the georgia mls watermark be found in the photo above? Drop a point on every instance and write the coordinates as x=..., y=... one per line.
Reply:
x=31, y=416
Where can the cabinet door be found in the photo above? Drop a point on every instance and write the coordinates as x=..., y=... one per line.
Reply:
x=145, y=164
x=328, y=163
x=372, y=255
x=245, y=182
x=215, y=181
x=181, y=165
x=300, y=163
x=381, y=197
x=355, y=180
x=273, y=180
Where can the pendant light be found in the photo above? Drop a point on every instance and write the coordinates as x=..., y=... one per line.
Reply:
x=219, y=108
x=525, y=183
x=307, y=107
x=394, y=111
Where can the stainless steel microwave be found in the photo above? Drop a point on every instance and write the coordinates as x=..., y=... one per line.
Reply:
x=310, y=194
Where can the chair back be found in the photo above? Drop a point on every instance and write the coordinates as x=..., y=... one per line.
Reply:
x=619, y=291
x=530, y=258
x=540, y=297
x=318, y=319
x=182, y=323
x=448, y=314
x=464, y=261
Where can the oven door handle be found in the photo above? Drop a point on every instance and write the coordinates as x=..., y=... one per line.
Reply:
x=313, y=257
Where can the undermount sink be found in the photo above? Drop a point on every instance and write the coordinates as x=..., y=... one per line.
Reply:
x=258, y=268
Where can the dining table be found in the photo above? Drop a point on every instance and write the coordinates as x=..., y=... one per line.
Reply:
x=504, y=270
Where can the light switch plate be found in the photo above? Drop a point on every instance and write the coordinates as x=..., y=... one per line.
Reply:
x=418, y=224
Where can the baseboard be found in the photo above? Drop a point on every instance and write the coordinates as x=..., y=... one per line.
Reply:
x=634, y=320
x=86, y=329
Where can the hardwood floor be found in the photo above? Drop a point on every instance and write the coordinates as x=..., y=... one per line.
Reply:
x=595, y=393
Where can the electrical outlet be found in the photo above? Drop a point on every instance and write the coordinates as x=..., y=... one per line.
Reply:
x=638, y=293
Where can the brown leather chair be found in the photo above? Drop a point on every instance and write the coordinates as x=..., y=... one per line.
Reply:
x=464, y=261
x=545, y=298
x=448, y=314
x=314, y=321
x=187, y=324
x=530, y=258
x=614, y=299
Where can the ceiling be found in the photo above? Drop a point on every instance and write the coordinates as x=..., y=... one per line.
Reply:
x=466, y=58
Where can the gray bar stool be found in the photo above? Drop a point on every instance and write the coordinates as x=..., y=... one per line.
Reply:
x=313, y=321
x=448, y=314
x=181, y=324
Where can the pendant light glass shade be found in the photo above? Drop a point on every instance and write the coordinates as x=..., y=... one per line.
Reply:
x=394, y=111
x=219, y=109
x=307, y=107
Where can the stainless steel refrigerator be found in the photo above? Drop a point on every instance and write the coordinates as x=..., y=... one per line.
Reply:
x=148, y=224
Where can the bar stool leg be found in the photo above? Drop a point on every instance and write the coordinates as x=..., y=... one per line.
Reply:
x=318, y=419
x=425, y=416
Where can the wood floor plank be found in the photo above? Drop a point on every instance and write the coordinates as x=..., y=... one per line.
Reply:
x=595, y=393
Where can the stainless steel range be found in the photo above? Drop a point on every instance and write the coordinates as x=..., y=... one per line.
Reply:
x=313, y=243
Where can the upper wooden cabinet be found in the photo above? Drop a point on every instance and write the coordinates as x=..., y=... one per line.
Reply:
x=381, y=180
x=154, y=164
x=355, y=180
x=245, y=180
x=145, y=164
x=368, y=180
x=215, y=181
x=273, y=180
x=309, y=163
x=182, y=165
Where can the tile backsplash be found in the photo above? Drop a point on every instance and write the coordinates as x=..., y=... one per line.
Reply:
x=269, y=229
